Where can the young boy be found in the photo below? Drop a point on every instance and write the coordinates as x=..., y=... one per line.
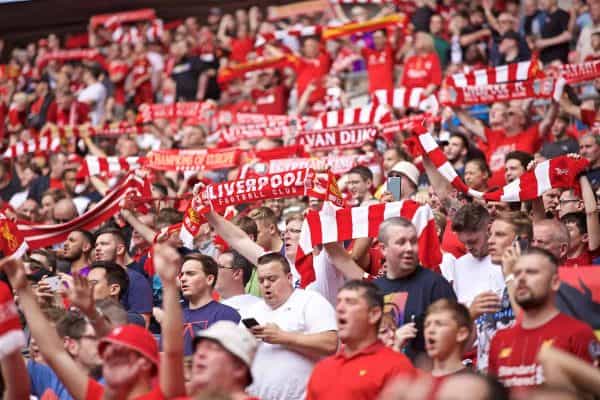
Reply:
x=448, y=326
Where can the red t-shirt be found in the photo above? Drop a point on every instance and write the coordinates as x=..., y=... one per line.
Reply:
x=143, y=93
x=583, y=259
x=513, y=351
x=309, y=70
x=95, y=391
x=499, y=145
x=380, y=66
x=271, y=101
x=118, y=67
x=588, y=117
x=77, y=114
x=361, y=376
x=240, y=49
x=422, y=70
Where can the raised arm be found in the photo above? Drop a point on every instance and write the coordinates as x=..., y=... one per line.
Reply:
x=549, y=118
x=437, y=181
x=235, y=237
x=472, y=124
x=15, y=377
x=144, y=230
x=168, y=262
x=564, y=369
x=591, y=213
x=343, y=261
x=51, y=347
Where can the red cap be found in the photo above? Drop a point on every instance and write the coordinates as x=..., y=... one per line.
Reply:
x=134, y=337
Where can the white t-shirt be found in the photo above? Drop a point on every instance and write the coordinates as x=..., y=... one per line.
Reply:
x=328, y=279
x=280, y=373
x=241, y=303
x=95, y=93
x=473, y=276
x=447, y=266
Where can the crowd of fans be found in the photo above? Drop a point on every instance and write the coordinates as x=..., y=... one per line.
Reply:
x=124, y=309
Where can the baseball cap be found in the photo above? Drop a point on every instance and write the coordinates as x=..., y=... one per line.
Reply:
x=407, y=169
x=135, y=338
x=234, y=338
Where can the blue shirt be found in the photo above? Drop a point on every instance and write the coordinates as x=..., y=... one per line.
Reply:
x=139, y=295
x=203, y=317
x=43, y=380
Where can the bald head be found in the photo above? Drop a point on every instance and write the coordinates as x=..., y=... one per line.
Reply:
x=64, y=211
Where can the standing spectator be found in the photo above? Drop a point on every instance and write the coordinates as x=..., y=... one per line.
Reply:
x=555, y=35
x=186, y=71
x=532, y=20
x=77, y=250
x=65, y=110
x=516, y=163
x=234, y=274
x=442, y=46
x=141, y=74
x=110, y=246
x=296, y=328
x=408, y=288
x=359, y=311
x=477, y=174
x=513, y=351
x=94, y=94
x=559, y=142
x=584, y=42
x=474, y=273
x=198, y=277
x=360, y=181
x=423, y=68
x=589, y=148
x=271, y=94
x=380, y=62
x=456, y=151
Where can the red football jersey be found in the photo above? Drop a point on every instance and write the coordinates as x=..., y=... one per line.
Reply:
x=380, y=67
x=271, y=101
x=513, y=351
x=312, y=70
x=422, y=70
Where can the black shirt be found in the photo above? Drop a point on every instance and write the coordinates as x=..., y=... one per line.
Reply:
x=555, y=24
x=14, y=186
x=408, y=298
x=185, y=74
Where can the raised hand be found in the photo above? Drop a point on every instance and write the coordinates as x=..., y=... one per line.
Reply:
x=81, y=294
x=167, y=262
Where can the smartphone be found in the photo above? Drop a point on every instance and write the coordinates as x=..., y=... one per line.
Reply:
x=53, y=282
x=250, y=322
x=523, y=243
x=393, y=186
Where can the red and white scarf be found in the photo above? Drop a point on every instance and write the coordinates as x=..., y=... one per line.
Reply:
x=108, y=166
x=370, y=114
x=235, y=71
x=191, y=160
x=330, y=225
x=233, y=134
x=113, y=20
x=337, y=164
x=44, y=143
x=12, y=241
x=559, y=172
x=406, y=98
x=72, y=55
x=521, y=71
x=345, y=137
x=39, y=236
x=469, y=95
x=192, y=109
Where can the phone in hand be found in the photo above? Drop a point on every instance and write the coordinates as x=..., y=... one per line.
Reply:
x=53, y=282
x=393, y=186
x=250, y=323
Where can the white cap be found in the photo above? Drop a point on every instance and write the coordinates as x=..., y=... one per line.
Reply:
x=407, y=169
x=234, y=338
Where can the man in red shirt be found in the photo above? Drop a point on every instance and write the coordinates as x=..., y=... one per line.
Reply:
x=380, y=62
x=579, y=252
x=513, y=351
x=65, y=110
x=271, y=95
x=516, y=134
x=364, y=365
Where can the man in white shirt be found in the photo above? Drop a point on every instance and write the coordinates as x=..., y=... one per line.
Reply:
x=474, y=273
x=296, y=329
x=234, y=273
x=94, y=94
